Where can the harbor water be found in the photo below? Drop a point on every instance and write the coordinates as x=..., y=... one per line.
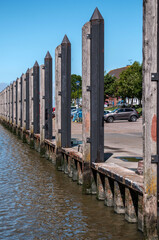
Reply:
x=38, y=202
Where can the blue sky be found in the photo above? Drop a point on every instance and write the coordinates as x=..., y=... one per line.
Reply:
x=28, y=29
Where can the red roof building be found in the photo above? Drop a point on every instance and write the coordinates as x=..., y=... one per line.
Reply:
x=115, y=73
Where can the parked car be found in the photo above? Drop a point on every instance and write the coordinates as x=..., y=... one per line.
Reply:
x=129, y=114
x=73, y=111
x=73, y=107
x=77, y=116
x=121, y=103
x=106, y=111
x=53, y=114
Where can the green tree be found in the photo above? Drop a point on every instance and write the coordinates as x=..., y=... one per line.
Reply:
x=109, y=85
x=74, y=88
x=130, y=82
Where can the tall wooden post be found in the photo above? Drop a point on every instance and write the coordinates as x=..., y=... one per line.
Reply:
x=92, y=94
x=58, y=96
x=14, y=103
x=150, y=138
x=45, y=102
x=97, y=87
x=5, y=104
x=42, y=104
x=11, y=103
x=86, y=107
x=18, y=102
x=36, y=118
x=27, y=100
x=24, y=103
x=8, y=104
x=66, y=92
x=21, y=95
x=63, y=93
x=0, y=105
x=48, y=96
x=31, y=102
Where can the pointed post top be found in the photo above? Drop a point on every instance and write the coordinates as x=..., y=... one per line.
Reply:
x=27, y=70
x=48, y=56
x=36, y=64
x=22, y=74
x=65, y=40
x=96, y=15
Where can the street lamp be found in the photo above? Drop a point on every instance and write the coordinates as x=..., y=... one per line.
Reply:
x=77, y=84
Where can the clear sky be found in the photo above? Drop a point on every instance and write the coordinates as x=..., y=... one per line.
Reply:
x=28, y=29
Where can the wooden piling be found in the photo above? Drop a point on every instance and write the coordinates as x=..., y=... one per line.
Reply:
x=31, y=102
x=150, y=11
x=109, y=192
x=119, y=198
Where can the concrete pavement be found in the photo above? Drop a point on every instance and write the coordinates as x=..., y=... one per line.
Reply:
x=121, y=139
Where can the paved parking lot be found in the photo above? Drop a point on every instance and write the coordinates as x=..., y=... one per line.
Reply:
x=121, y=139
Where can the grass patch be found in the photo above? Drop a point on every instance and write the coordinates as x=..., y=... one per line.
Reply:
x=110, y=108
x=139, y=110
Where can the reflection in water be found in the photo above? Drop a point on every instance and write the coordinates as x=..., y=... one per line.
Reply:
x=37, y=202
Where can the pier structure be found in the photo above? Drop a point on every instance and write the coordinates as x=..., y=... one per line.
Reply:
x=26, y=108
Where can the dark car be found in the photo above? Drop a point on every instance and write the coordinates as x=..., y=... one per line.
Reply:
x=106, y=112
x=129, y=114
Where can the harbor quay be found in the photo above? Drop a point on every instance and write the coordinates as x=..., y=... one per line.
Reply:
x=117, y=162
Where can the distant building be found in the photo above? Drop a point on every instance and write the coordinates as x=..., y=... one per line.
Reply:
x=116, y=72
x=112, y=101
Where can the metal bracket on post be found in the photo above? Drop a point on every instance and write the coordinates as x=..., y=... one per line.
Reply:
x=59, y=55
x=59, y=93
x=59, y=131
x=43, y=97
x=154, y=159
x=88, y=140
x=88, y=88
x=154, y=77
x=89, y=36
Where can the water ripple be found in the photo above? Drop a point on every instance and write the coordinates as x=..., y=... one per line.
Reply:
x=37, y=202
